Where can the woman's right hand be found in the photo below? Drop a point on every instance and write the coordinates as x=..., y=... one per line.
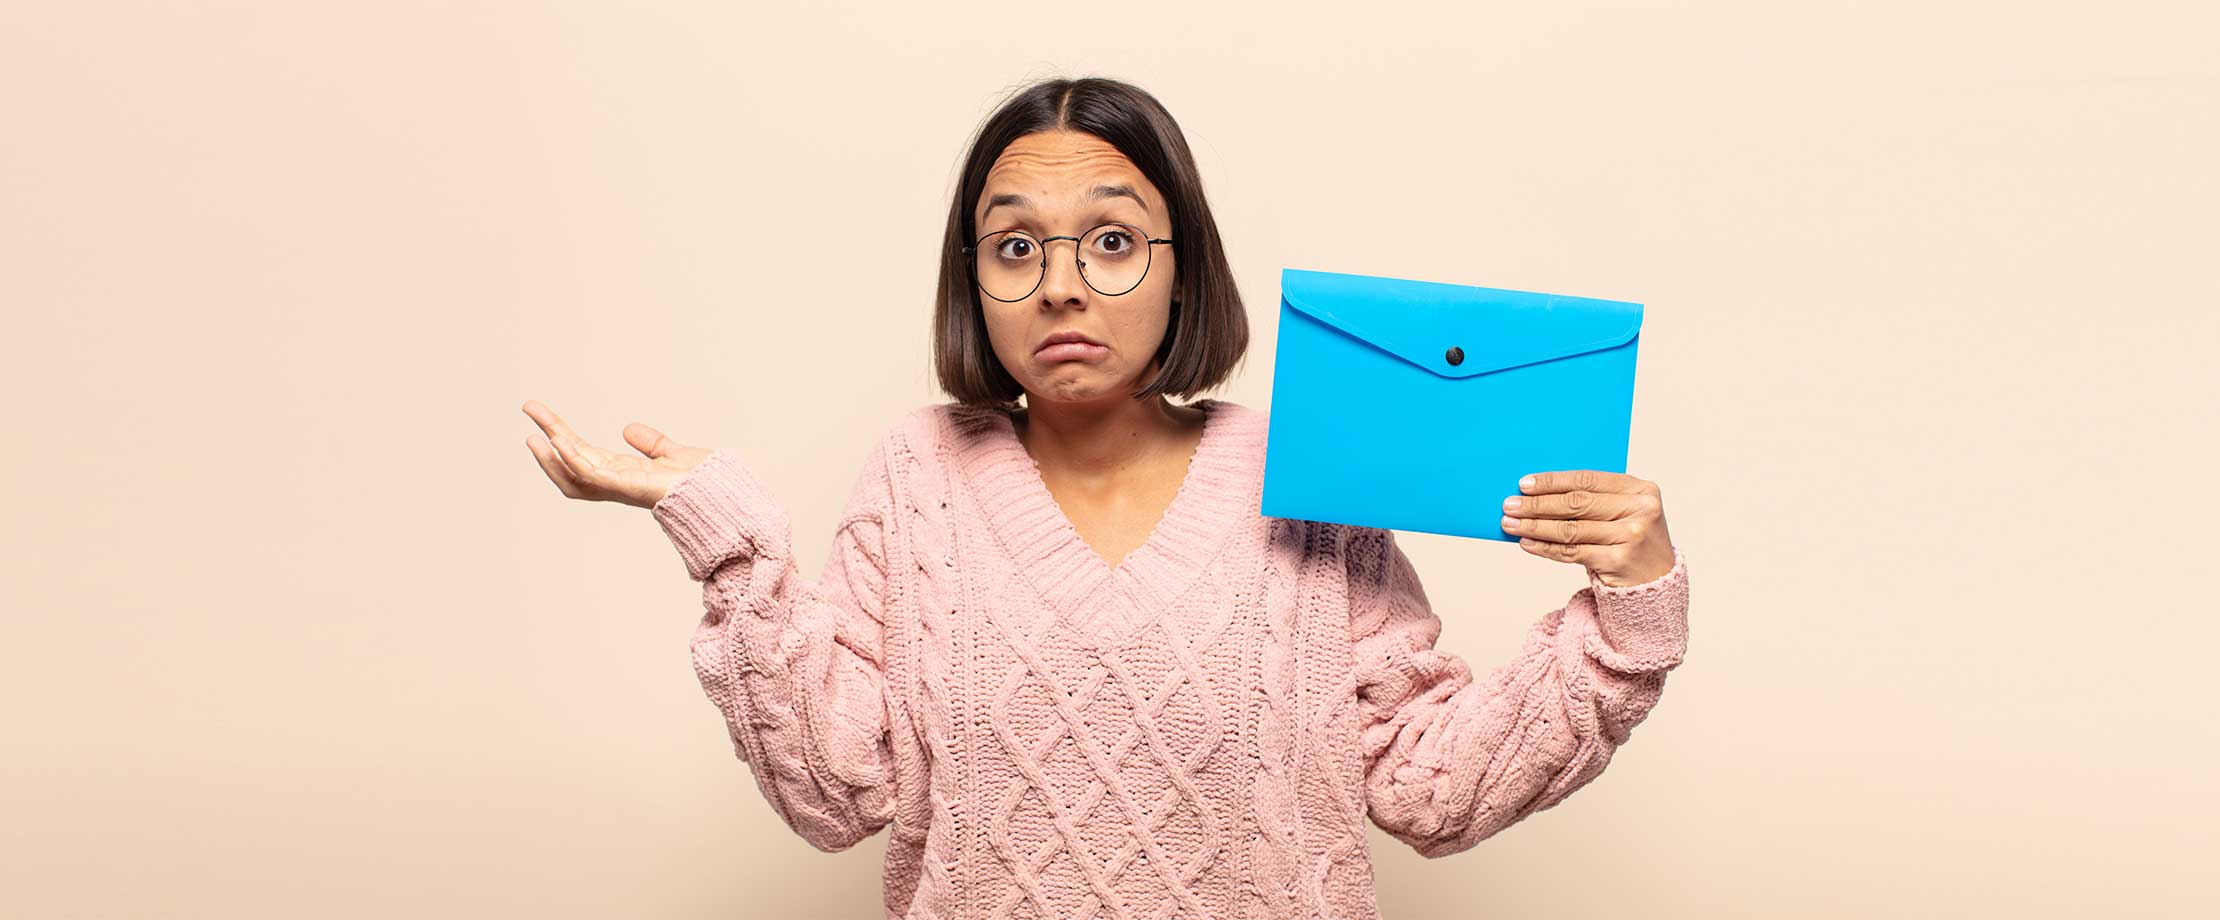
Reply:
x=588, y=473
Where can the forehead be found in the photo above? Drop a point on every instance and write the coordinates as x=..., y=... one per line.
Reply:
x=1049, y=166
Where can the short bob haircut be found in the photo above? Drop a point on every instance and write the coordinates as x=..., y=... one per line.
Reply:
x=1209, y=330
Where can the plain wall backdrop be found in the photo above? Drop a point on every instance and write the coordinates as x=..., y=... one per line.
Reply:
x=294, y=626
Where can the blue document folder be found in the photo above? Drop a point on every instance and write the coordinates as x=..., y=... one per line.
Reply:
x=1417, y=405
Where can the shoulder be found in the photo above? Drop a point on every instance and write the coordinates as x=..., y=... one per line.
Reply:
x=1245, y=426
x=918, y=444
x=904, y=437
x=1232, y=453
x=1247, y=430
x=898, y=458
x=923, y=431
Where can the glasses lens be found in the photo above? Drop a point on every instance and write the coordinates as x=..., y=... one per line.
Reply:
x=1113, y=257
x=1008, y=264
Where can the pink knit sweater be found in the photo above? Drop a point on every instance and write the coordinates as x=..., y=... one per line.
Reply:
x=1199, y=731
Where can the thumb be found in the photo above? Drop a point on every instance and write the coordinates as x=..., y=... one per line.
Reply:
x=649, y=441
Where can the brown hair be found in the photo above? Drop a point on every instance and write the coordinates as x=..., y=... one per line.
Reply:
x=1209, y=331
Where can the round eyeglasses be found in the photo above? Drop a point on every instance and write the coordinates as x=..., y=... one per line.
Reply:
x=1113, y=258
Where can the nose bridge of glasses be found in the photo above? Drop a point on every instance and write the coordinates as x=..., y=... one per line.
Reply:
x=1044, y=241
x=1078, y=257
x=1078, y=260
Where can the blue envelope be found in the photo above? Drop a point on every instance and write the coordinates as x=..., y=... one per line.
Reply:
x=1417, y=405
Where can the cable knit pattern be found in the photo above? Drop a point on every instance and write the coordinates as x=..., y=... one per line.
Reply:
x=1200, y=730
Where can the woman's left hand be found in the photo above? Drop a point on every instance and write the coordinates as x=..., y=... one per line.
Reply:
x=1612, y=523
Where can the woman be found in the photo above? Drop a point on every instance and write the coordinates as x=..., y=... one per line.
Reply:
x=1057, y=647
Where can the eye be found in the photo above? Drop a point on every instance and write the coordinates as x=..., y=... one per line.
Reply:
x=1114, y=242
x=1014, y=247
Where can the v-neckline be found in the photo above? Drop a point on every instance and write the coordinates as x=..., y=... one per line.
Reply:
x=1041, y=538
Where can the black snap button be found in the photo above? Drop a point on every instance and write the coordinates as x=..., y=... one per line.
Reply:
x=1456, y=356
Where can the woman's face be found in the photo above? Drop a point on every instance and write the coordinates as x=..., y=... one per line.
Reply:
x=1063, y=183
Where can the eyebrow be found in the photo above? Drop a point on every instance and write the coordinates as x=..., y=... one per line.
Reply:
x=1097, y=193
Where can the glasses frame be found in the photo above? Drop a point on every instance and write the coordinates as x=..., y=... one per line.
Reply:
x=971, y=259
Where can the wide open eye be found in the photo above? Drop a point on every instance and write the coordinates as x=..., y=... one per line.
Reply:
x=1017, y=248
x=1115, y=241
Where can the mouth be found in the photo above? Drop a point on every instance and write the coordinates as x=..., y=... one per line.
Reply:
x=1070, y=346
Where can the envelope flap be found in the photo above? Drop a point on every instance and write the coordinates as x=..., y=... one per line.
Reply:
x=1492, y=328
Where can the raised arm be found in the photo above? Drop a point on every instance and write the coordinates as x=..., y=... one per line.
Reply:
x=1449, y=761
x=794, y=664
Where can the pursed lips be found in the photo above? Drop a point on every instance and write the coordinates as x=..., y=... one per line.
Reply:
x=1069, y=347
x=1065, y=338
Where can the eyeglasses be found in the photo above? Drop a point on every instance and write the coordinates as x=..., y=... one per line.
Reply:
x=1113, y=258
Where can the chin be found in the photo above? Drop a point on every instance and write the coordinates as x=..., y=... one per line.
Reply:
x=1068, y=387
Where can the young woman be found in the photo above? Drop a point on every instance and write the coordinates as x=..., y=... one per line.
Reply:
x=1057, y=647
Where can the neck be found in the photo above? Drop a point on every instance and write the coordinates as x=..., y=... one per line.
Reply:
x=1102, y=437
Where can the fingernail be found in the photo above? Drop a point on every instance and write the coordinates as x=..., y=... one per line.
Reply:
x=1525, y=483
x=1511, y=504
x=1510, y=523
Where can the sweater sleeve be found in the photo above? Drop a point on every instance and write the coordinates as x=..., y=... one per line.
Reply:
x=1448, y=760
x=794, y=664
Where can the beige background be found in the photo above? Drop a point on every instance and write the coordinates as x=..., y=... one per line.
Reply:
x=295, y=627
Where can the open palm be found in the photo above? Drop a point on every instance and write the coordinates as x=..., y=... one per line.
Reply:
x=583, y=471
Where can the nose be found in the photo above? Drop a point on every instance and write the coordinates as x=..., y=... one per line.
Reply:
x=1061, y=282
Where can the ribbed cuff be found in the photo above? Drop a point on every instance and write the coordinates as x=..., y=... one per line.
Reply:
x=1644, y=626
x=718, y=511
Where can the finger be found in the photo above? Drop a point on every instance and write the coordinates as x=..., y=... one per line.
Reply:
x=1601, y=506
x=1588, y=532
x=548, y=421
x=552, y=465
x=584, y=468
x=649, y=441
x=1562, y=552
x=1583, y=481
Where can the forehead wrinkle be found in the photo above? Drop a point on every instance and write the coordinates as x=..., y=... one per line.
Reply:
x=1102, y=154
x=1103, y=165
